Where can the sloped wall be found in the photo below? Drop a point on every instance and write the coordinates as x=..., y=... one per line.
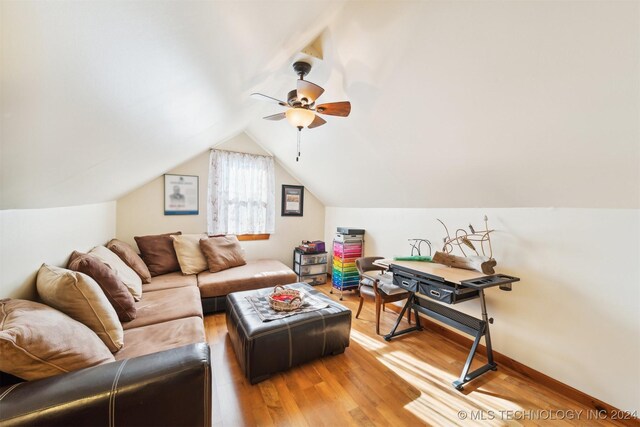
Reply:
x=141, y=211
x=460, y=104
x=30, y=237
x=575, y=314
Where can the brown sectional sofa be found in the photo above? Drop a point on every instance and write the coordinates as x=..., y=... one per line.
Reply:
x=165, y=354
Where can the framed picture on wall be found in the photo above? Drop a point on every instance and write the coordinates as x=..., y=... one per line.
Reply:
x=292, y=200
x=181, y=195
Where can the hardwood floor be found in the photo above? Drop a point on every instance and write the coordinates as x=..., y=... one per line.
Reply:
x=406, y=382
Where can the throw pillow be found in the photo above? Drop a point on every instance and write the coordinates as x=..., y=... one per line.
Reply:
x=158, y=253
x=37, y=341
x=129, y=277
x=222, y=252
x=80, y=297
x=115, y=291
x=131, y=258
x=190, y=257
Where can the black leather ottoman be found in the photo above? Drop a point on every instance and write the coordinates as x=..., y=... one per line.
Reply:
x=264, y=348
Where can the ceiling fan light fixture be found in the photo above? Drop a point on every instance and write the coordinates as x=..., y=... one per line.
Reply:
x=300, y=117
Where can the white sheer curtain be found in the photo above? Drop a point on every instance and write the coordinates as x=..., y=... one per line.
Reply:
x=241, y=194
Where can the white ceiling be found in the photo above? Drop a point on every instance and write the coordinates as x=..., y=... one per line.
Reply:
x=455, y=104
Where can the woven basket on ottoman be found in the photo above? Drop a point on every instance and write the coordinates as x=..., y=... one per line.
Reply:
x=264, y=348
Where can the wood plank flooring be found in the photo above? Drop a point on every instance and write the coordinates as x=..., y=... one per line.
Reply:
x=406, y=382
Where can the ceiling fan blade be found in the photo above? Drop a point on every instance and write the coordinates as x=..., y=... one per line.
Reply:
x=335, y=108
x=308, y=90
x=268, y=99
x=318, y=121
x=278, y=116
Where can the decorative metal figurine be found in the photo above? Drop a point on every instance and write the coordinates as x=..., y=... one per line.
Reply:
x=480, y=261
x=415, y=246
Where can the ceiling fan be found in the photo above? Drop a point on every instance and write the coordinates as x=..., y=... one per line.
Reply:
x=301, y=103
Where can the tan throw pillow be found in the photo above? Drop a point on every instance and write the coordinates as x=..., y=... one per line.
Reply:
x=80, y=297
x=158, y=253
x=37, y=341
x=115, y=291
x=131, y=258
x=189, y=254
x=222, y=252
x=129, y=277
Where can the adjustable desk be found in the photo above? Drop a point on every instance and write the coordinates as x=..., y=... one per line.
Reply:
x=427, y=282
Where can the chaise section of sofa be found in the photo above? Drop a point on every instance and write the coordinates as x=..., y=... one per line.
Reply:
x=255, y=274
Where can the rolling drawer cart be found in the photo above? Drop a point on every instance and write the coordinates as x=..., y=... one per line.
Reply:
x=311, y=268
x=348, y=245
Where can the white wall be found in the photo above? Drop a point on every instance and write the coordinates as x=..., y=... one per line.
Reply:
x=30, y=237
x=575, y=315
x=141, y=211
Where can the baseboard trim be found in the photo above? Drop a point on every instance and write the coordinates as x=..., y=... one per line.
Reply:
x=514, y=365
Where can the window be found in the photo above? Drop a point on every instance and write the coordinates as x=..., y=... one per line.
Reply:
x=241, y=194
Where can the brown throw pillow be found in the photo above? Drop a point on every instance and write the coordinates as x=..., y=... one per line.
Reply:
x=37, y=341
x=130, y=278
x=222, y=252
x=80, y=297
x=131, y=258
x=158, y=253
x=115, y=291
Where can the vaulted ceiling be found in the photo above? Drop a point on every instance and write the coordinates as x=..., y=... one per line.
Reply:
x=455, y=104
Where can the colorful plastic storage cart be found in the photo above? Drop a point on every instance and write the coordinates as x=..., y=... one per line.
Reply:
x=346, y=249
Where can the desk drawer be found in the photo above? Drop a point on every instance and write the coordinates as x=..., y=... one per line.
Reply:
x=432, y=288
x=438, y=293
x=405, y=283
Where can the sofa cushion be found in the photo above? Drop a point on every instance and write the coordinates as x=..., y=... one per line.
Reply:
x=80, y=297
x=131, y=258
x=129, y=277
x=255, y=274
x=37, y=341
x=169, y=281
x=189, y=254
x=162, y=336
x=168, y=304
x=158, y=253
x=222, y=252
x=116, y=292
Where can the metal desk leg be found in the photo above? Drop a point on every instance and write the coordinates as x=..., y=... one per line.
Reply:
x=487, y=334
x=417, y=316
x=465, y=377
x=408, y=305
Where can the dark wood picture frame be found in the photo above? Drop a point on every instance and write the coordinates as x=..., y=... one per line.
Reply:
x=292, y=200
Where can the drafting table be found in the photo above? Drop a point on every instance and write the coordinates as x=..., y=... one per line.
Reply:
x=429, y=282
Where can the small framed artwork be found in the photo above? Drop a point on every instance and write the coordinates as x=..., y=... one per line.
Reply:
x=181, y=194
x=292, y=200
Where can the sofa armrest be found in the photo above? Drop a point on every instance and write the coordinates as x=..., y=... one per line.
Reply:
x=167, y=388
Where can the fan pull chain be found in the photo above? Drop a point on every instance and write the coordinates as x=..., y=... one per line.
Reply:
x=299, y=132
